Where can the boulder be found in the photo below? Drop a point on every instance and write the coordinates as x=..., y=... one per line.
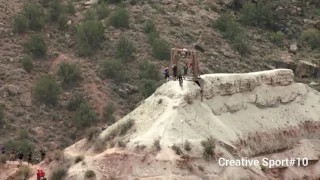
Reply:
x=10, y=89
x=293, y=48
x=26, y=99
x=307, y=69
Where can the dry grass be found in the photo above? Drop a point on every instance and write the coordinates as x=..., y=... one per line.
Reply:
x=156, y=144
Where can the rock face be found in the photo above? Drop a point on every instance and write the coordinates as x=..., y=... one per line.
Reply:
x=293, y=48
x=11, y=89
x=307, y=69
x=26, y=99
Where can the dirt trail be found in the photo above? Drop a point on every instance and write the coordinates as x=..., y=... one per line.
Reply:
x=99, y=98
x=9, y=172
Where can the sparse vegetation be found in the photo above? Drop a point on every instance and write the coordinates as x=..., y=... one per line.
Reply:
x=58, y=155
x=121, y=129
x=24, y=172
x=84, y=116
x=312, y=36
x=70, y=8
x=90, y=15
x=277, y=38
x=75, y=101
x=23, y=134
x=58, y=174
x=209, y=146
x=176, y=149
x=20, y=145
x=78, y=159
x=92, y=133
x=188, y=99
x=36, y=45
x=102, y=10
x=161, y=49
x=27, y=63
x=99, y=145
x=113, y=69
x=35, y=15
x=257, y=14
x=121, y=143
x=108, y=111
x=120, y=18
x=47, y=90
x=62, y=21
x=149, y=26
x=187, y=146
x=90, y=174
x=156, y=144
x=89, y=36
x=69, y=73
x=125, y=50
x=148, y=87
x=55, y=9
x=3, y=159
x=20, y=24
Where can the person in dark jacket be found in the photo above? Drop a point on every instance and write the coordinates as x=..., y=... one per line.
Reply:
x=29, y=158
x=20, y=157
x=43, y=154
x=12, y=154
x=175, y=70
x=166, y=74
x=185, y=71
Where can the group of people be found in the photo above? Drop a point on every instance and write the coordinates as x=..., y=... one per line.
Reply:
x=176, y=75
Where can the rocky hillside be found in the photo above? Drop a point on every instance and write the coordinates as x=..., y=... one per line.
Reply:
x=116, y=50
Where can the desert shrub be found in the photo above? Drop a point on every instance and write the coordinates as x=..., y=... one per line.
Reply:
x=121, y=129
x=47, y=90
x=125, y=50
x=152, y=36
x=70, y=8
x=35, y=16
x=209, y=146
x=133, y=2
x=188, y=99
x=55, y=8
x=36, y=45
x=240, y=45
x=149, y=26
x=69, y=73
x=120, y=18
x=121, y=143
x=20, y=24
x=23, y=134
x=99, y=145
x=257, y=14
x=45, y=3
x=78, y=159
x=62, y=21
x=27, y=63
x=276, y=37
x=148, y=87
x=102, y=10
x=108, y=111
x=24, y=172
x=89, y=35
x=75, y=101
x=92, y=133
x=149, y=71
x=1, y=115
x=20, y=145
x=156, y=144
x=114, y=1
x=90, y=15
x=161, y=49
x=187, y=146
x=312, y=36
x=84, y=116
x=221, y=70
x=113, y=69
x=58, y=155
x=58, y=174
x=90, y=174
x=176, y=149
x=3, y=159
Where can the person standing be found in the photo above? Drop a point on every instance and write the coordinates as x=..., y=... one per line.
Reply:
x=174, y=69
x=20, y=157
x=29, y=158
x=166, y=74
x=185, y=71
x=12, y=154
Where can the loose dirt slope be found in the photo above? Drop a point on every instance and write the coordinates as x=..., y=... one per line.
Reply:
x=248, y=114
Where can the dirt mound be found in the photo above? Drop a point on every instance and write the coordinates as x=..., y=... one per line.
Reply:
x=248, y=115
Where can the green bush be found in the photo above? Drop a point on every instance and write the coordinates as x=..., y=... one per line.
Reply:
x=58, y=174
x=89, y=36
x=108, y=112
x=62, y=21
x=149, y=26
x=69, y=73
x=312, y=36
x=20, y=24
x=47, y=90
x=277, y=38
x=23, y=134
x=114, y=1
x=1, y=116
x=36, y=45
x=92, y=133
x=209, y=146
x=161, y=49
x=84, y=116
x=152, y=36
x=55, y=9
x=90, y=15
x=113, y=69
x=27, y=63
x=45, y=3
x=20, y=145
x=75, y=101
x=148, y=87
x=102, y=10
x=259, y=14
x=149, y=71
x=35, y=15
x=70, y=8
x=90, y=174
x=120, y=18
x=240, y=45
x=125, y=50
